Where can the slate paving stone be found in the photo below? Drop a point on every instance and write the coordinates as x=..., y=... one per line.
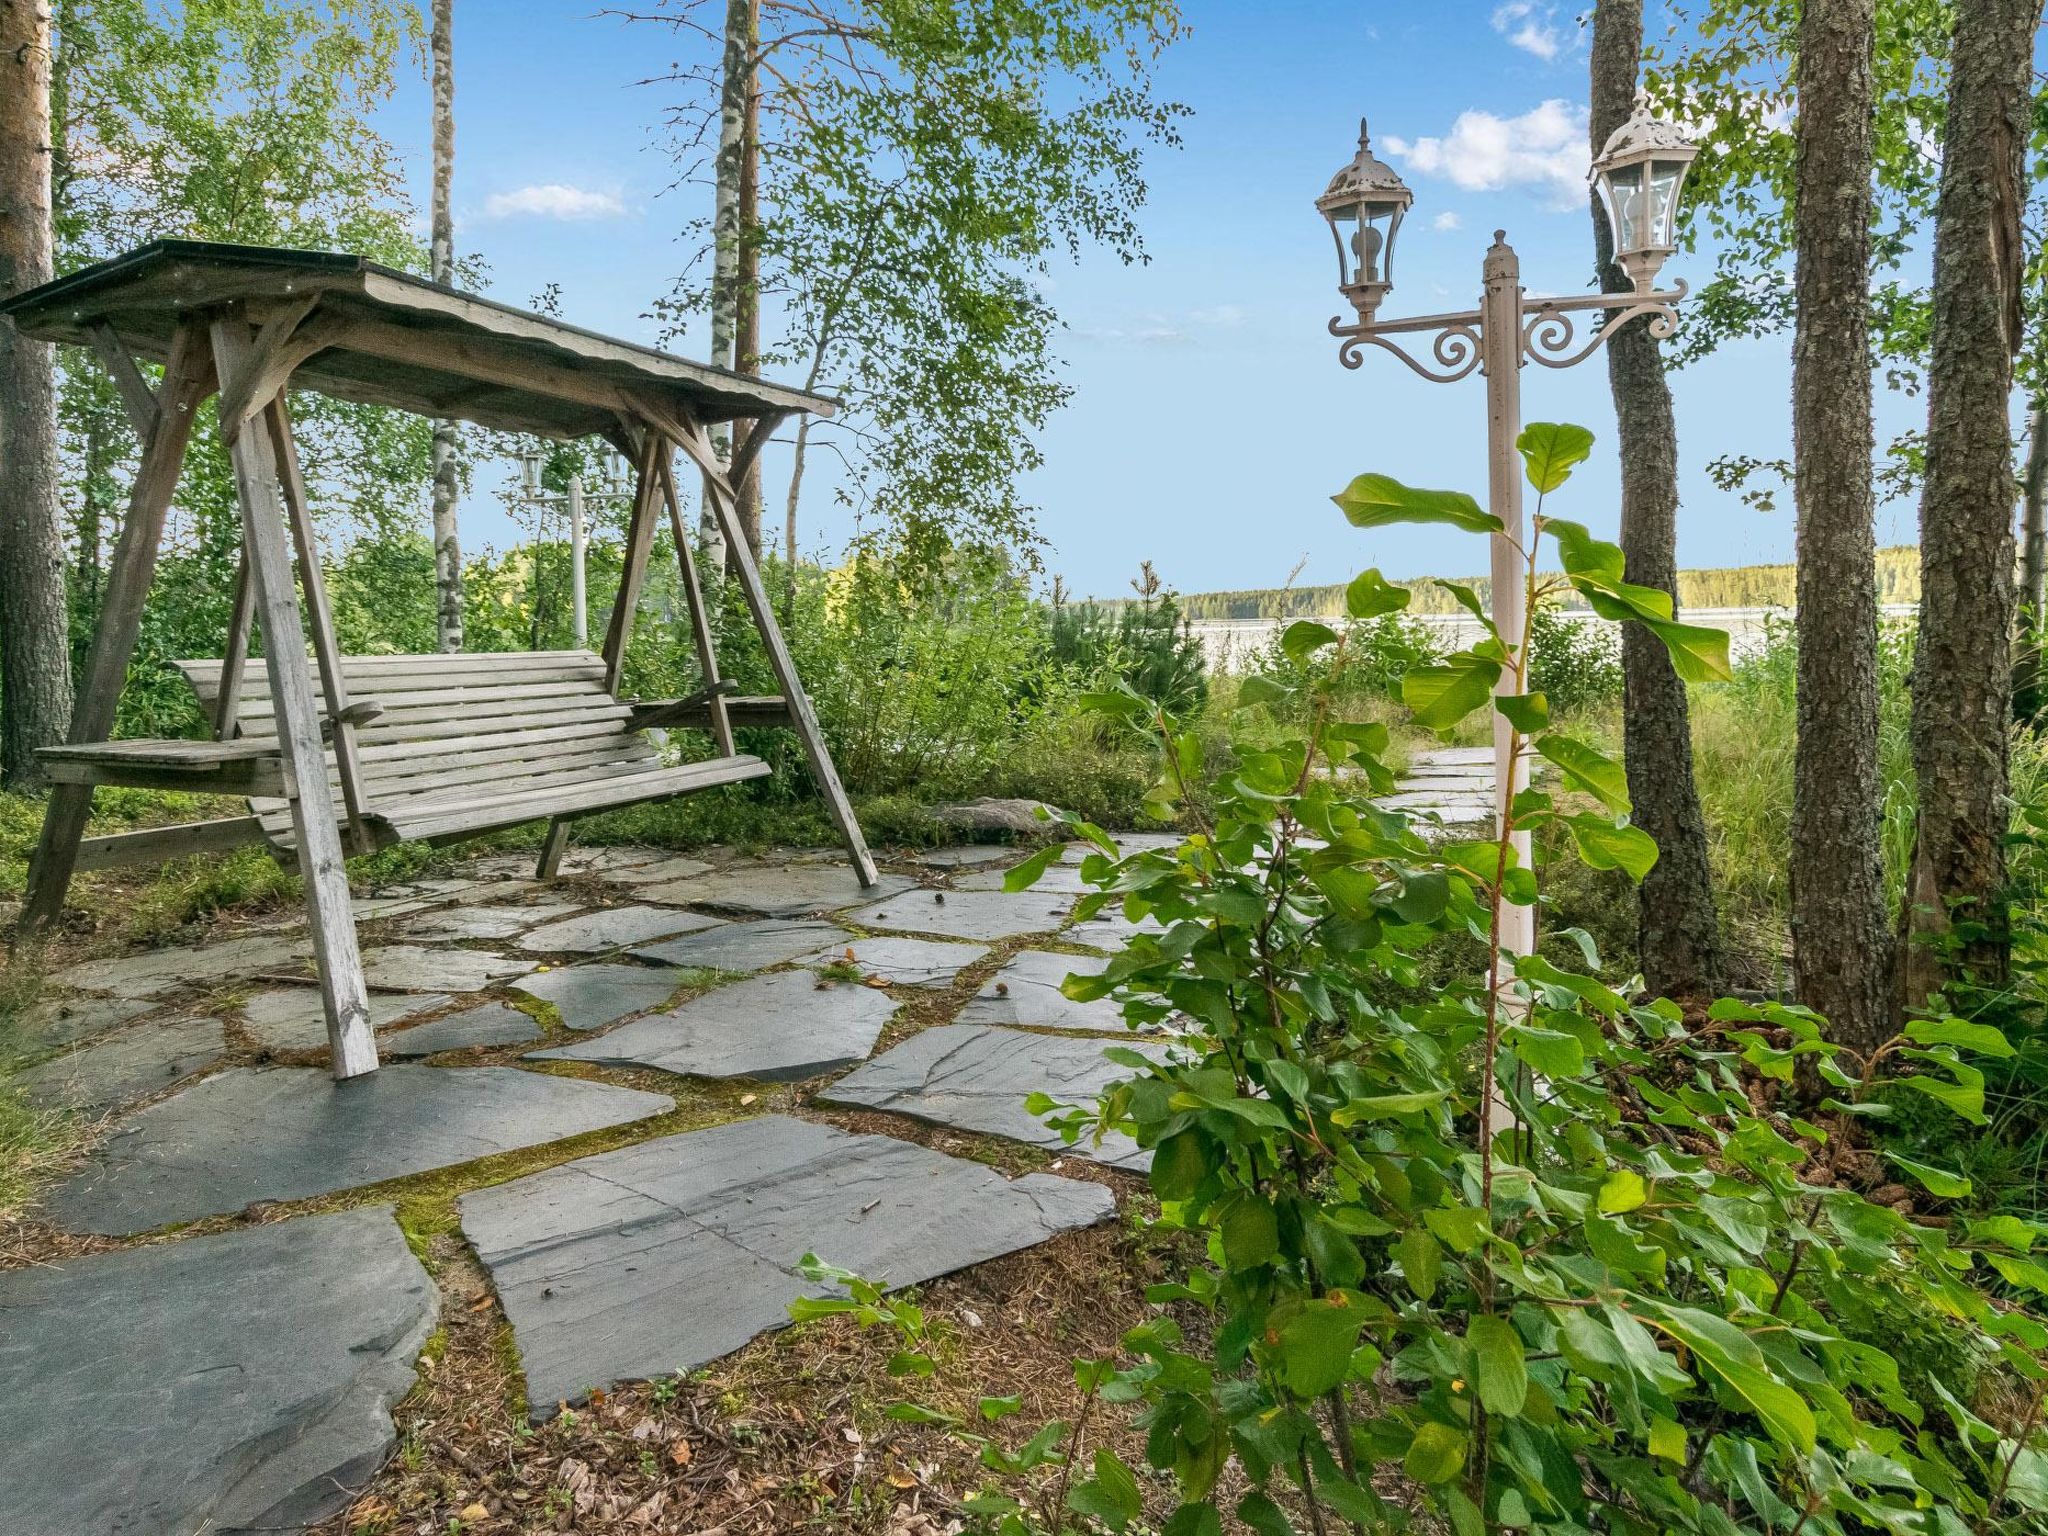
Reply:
x=237, y=1382
x=67, y=1020
x=126, y=1066
x=613, y=928
x=1110, y=929
x=414, y=968
x=154, y=972
x=486, y=1024
x=972, y=855
x=661, y=870
x=974, y=1077
x=776, y=890
x=293, y=1019
x=578, y=861
x=983, y=915
x=780, y=1029
x=288, y=1133
x=663, y=1256
x=748, y=946
x=1027, y=991
x=908, y=962
x=1058, y=879
x=592, y=996
x=502, y=922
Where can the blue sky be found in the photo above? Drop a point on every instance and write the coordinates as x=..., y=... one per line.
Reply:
x=1210, y=419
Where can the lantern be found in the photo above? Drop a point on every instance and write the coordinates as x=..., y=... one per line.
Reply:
x=1639, y=174
x=1364, y=205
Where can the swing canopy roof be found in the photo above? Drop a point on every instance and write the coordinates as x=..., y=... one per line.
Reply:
x=390, y=338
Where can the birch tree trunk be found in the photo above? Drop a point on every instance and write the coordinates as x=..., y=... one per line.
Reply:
x=35, y=657
x=747, y=318
x=1841, y=937
x=1678, y=936
x=447, y=536
x=2033, y=594
x=1962, y=668
x=736, y=89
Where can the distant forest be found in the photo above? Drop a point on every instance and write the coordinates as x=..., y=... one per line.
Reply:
x=1739, y=586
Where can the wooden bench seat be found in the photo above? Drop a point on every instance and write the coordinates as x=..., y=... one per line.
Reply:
x=199, y=767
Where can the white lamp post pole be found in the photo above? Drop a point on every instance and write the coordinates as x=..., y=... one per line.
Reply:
x=1639, y=174
x=578, y=598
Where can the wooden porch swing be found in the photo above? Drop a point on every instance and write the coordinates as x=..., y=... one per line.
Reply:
x=368, y=750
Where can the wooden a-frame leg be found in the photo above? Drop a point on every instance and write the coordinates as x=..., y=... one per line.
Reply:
x=700, y=618
x=343, y=995
x=639, y=544
x=187, y=372
x=697, y=445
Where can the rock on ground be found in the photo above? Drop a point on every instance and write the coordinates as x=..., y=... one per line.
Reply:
x=592, y=996
x=984, y=915
x=237, y=1382
x=126, y=1066
x=658, y=1257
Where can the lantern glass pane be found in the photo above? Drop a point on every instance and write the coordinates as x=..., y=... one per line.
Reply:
x=1630, y=208
x=1665, y=176
x=1344, y=225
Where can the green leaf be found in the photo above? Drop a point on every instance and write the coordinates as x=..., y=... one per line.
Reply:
x=1304, y=637
x=1371, y=595
x=1550, y=449
x=1603, y=845
x=1180, y=1163
x=1623, y=1191
x=1667, y=1440
x=1422, y=1261
x=1316, y=1344
x=1261, y=1514
x=1981, y=1038
x=1551, y=1052
x=1384, y=1106
x=1593, y=771
x=1938, y=1181
x=1699, y=653
x=1499, y=1364
x=1261, y=690
x=1436, y=1453
x=1374, y=501
x=1250, y=1230
x=1526, y=712
x=1442, y=694
x=1111, y=1495
x=1965, y=1095
x=1025, y=875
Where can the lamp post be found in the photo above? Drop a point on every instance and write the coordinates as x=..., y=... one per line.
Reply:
x=1639, y=173
x=611, y=487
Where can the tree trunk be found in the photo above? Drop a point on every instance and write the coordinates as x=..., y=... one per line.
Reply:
x=1962, y=667
x=1678, y=937
x=447, y=536
x=2033, y=594
x=796, y=482
x=735, y=93
x=747, y=320
x=1841, y=938
x=35, y=653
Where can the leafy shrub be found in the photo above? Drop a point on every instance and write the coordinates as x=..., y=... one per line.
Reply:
x=1147, y=644
x=1544, y=1257
x=1575, y=664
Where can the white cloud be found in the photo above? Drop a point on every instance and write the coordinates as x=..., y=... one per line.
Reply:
x=554, y=200
x=1544, y=147
x=1222, y=316
x=1161, y=330
x=1446, y=220
x=1529, y=28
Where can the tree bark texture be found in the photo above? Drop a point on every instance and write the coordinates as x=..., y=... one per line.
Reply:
x=1678, y=936
x=735, y=91
x=1841, y=937
x=2033, y=594
x=447, y=535
x=747, y=320
x=1962, y=667
x=35, y=654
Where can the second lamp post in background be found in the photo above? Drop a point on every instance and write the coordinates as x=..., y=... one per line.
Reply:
x=1639, y=174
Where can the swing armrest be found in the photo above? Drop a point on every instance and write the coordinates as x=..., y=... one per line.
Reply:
x=662, y=714
x=361, y=712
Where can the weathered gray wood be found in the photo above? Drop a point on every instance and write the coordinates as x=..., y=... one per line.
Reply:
x=155, y=845
x=697, y=444
x=227, y=704
x=700, y=619
x=341, y=716
x=271, y=359
x=580, y=800
x=346, y=1001
x=694, y=714
x=137, y=398
x=186, y=374
x=196, y=767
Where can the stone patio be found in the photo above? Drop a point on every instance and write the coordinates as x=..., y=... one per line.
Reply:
x=975, y=1077
x=659, y=1257
x=778, y=1028
x=288, y=1133
x=242, y=1381
x=662, y=1254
